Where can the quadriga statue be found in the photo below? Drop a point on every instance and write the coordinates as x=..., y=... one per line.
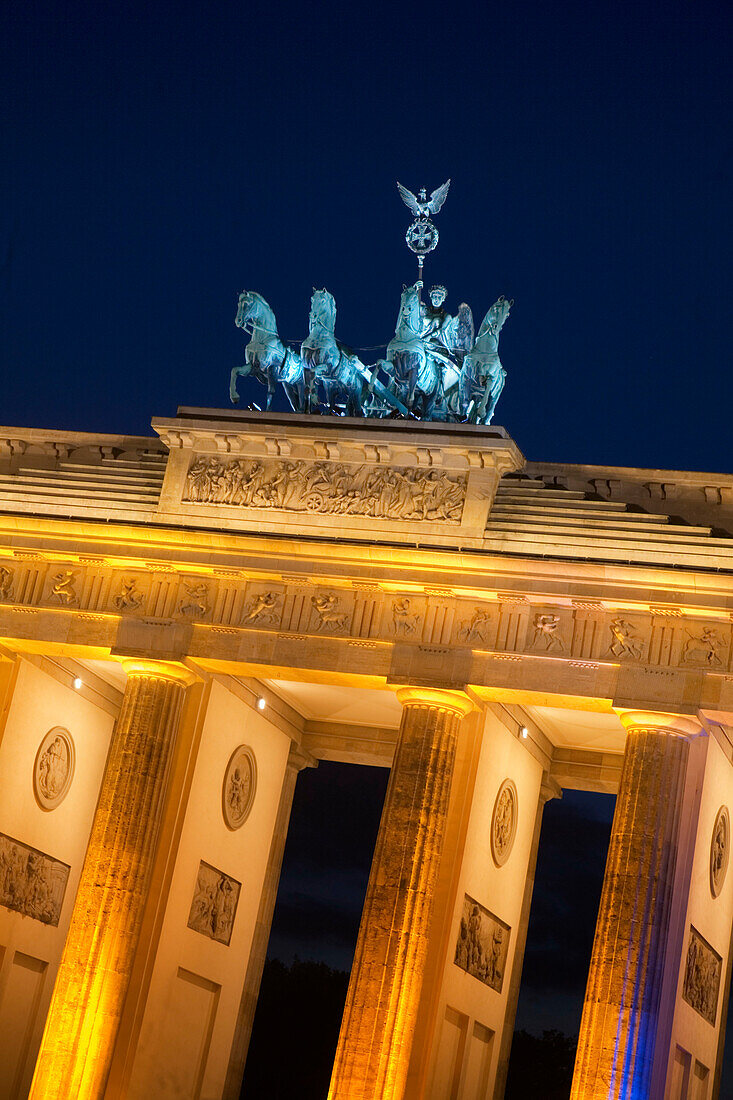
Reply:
x=433, y=369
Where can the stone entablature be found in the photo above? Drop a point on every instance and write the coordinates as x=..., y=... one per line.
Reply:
x=236, y=470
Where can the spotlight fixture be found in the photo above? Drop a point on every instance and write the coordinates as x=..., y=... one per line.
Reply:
x=78, y=682
x=524, y=732
x=261, y=704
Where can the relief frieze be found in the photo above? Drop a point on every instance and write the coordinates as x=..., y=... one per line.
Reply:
x=31, y=883
x=214, y=904
x=482, y=945
x=328, y=488
x=702, y=977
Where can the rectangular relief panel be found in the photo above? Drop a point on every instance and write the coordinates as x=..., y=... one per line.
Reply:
x=18, y=1011
x=214, y=904
x=482, y=945
x=186, y=1038
x=702, y=977
x=478, y=1064
x=451, y=1051
x=31, y=882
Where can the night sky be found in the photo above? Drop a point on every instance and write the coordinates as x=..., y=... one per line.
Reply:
x=157, y=159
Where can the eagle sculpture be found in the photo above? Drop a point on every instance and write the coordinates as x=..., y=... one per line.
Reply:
x=420, y=205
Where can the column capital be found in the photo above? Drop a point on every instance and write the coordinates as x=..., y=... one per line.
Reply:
x=681, y=724
x=299, y=758
x=454, y=701
x=161, y=670
x=549, y=789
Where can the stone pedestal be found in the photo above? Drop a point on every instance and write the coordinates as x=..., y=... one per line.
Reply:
x=94, y=974
x=386, y=979
x=621, y=1014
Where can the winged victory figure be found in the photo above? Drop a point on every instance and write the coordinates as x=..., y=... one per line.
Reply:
x=420, y=205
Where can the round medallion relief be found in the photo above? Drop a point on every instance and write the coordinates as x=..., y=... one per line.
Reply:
x=719, y=851
x=54, y=768
x=504, y=822
x=240, y=784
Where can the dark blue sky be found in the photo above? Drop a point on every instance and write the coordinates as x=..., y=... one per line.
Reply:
x=158, y=158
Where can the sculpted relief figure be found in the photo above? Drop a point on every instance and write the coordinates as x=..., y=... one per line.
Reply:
x=328, y=613
x=546, y=631
x=704, y=649
x=214, y=904
x=195, y=602
x=6, y=583
x=53, y=768
x=719, y=851
x=625, y=642
x=128, y=598
x=263, y=610
x=476, y=629
x=702, y=977
x=482, y=945
x=405, y=621
x=62, y=587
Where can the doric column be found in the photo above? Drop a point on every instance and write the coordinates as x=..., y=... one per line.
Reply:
x=386, y=978
x=622, y=1001
x=94, y=974
x=297, y=760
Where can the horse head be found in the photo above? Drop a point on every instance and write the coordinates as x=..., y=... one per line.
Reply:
x=323, y=310
x=253, y=307
x=409, y=316
x=493, y=322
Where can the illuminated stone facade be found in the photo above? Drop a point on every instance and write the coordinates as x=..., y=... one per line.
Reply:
x=189, y=619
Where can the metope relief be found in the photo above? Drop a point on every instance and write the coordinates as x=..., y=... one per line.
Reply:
x=547, y=634
x=478, y=628
x=625, y=642
x=326, y=488
x=239, y=787
x=63, y=589
x=31, y=883
x=194, y=603
x=704, y=649
x=129, y=597
x=504, y=822
x=54, y=768
x=719, y=851
x=6, y=584
x=263, y=609
x=405, y=620
x=483, y=944
x=214, y=904
x=702, y=977
x=328, y=613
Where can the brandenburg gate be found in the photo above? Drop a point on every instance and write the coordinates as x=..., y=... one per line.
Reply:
x=189, y=619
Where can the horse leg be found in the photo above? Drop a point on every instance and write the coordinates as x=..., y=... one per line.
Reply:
x=242, y=371
x=271, y=384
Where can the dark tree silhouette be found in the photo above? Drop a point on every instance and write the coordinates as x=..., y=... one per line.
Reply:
x=295, y=1031
x=540, y=1066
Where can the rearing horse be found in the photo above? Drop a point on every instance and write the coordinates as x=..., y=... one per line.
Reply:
x=327, y=362
x=265, y=357
x=482, y=375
